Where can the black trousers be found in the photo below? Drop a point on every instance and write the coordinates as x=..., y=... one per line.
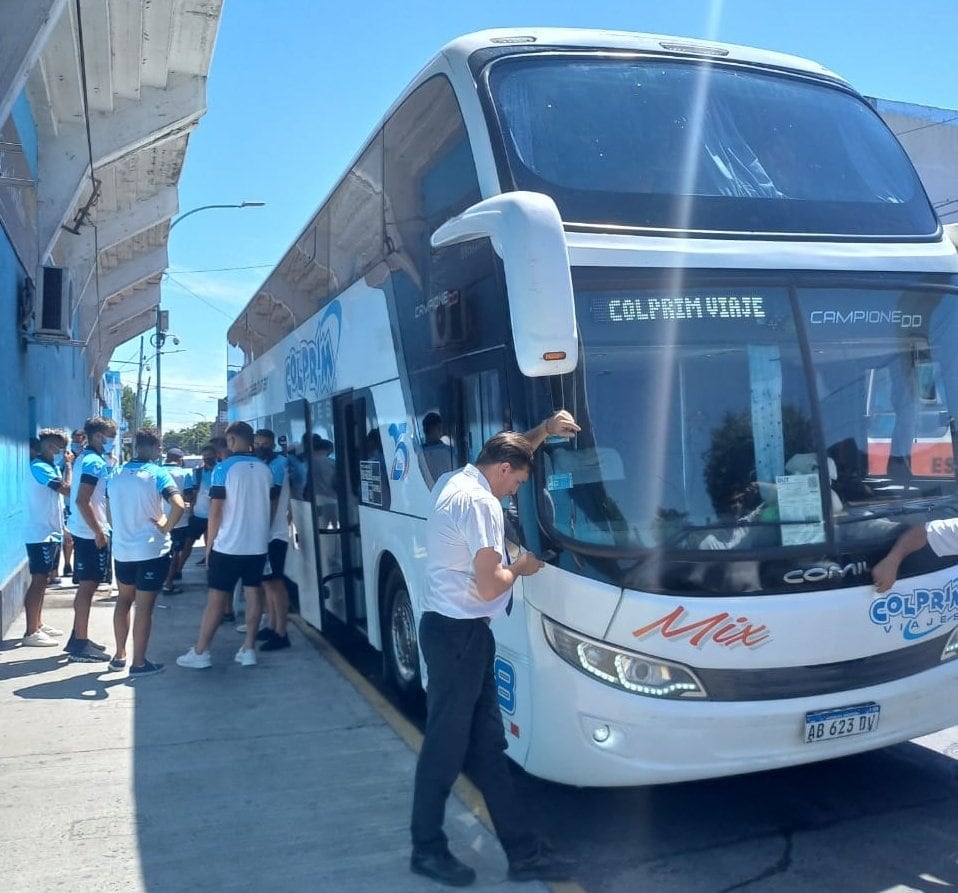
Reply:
x=463, y=731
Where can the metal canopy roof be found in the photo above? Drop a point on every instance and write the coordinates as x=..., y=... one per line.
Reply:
x=145, y=64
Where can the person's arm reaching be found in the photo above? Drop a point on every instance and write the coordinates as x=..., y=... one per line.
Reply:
x=886, y=571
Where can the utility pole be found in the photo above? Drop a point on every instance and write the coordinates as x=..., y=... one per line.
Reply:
x=162, y=327
x=137, y=405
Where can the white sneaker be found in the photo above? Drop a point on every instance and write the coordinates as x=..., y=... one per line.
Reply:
x=241, y=628
x=246, y=657
x=193, y=661
x=40, y=639
x=51, y=630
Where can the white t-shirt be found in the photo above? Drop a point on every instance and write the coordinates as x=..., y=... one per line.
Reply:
x=943, y=536
x=465, y=518
x=279, y=468
x=243, y=483
x=94, y=470
x=136, y=495
x=183, y=478
x=44, y=504
x=201, y=502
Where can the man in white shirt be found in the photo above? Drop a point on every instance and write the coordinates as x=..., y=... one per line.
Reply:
x=237, y=541
x=44, y=529
x=469, y=581
x=941, y=535
x=183, y=478
x=274, y=637
x=91, y=533
x=141, y=545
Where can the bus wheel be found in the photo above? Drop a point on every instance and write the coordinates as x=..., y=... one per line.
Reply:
x=401, y=643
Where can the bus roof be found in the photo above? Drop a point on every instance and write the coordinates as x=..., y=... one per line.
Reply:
x=591, y=39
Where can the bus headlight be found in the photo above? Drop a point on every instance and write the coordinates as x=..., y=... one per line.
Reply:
x=627, y=670
x=951, y=646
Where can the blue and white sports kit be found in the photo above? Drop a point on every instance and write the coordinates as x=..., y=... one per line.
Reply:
x=43, y=531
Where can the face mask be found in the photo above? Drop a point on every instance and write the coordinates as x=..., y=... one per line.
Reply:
x=58, y=459
x=108, y=445
x=209, y=463
x=76, y=448
x=265, y=453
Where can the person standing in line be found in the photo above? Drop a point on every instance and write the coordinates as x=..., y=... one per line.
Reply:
x=236, y=544
x=469, y=581
x=199, y=497
x=44, y=529
x=75, y=450
x=275, y=637
x=183, y=478
x=91, y=533
x=141, y=545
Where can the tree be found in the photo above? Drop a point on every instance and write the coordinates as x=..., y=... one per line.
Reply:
x=191, y=440
x=128, y=409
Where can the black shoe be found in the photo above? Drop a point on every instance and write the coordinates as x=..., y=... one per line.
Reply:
x=171, y=590
x=178, y=575
x=67, y=570
x=118, y=663
x=229, y=617
x=74, y=644
x=84, y=653
x=147, y=668
x=265, y=634
x=541, y=865
x=275, y=643
x=443, y=867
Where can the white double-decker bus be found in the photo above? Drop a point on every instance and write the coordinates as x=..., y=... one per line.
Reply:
x=723, y=264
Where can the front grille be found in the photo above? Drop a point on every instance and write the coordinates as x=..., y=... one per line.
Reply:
x=776, y=683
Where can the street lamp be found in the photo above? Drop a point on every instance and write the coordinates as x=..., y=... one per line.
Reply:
x=162, y=316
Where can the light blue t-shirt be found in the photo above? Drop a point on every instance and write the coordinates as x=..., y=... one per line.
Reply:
x=136, y=495
x=243, y=482
x=44, y=504
x=93, y=470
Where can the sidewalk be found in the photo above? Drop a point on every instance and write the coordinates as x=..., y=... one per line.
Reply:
x=280, y=777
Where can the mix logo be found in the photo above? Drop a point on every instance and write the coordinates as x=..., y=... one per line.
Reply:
x=916, y=614
x=311, y=364
x=400, y=466
x=719, y=629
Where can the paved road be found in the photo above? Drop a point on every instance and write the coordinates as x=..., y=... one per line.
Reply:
x=879, y=822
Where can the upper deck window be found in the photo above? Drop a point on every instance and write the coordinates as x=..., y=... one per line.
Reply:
x=697, y=147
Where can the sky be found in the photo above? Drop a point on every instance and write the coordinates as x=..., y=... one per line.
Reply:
x=296, y=86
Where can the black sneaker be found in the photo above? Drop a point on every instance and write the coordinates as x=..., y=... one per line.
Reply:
x=67, y=570
x=229, y=617
x=84, y=653
x=118, y=663
x=171, y=590
x=443, y=867
x=265, y=634
x=541, y=865
x=74, y=644
x=275, y=643
x=147, y=668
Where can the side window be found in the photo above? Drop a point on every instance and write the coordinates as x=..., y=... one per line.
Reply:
x=481, y=412
x=429, y=176
x=356, y=219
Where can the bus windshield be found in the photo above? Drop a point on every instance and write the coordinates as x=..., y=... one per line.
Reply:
x=674, y=145
x=724, y=414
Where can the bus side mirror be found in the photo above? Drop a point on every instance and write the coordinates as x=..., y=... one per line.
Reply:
x=525, y=230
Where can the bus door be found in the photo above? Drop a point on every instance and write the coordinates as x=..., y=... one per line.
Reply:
x=341, y=580
x=291, y=428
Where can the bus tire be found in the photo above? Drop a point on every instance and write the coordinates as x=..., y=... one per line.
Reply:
x=401, y=642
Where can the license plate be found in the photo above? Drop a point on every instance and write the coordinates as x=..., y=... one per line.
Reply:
x=842, y=722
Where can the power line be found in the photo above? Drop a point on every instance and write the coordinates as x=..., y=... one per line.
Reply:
x=186, y=288
x=228, y=269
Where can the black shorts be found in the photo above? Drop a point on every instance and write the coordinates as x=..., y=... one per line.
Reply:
x=147, y=575
x=178, y=537
x=224, y=570
x=44, y=557
x=275, y=560
x=91, y=563
x=197, y=527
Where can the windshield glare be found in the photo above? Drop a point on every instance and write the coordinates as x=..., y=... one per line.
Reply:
x=692, y=146
x=706, y=427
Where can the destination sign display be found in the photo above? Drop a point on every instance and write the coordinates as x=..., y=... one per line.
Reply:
x=621, y=309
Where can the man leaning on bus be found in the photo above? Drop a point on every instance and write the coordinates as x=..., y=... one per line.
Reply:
x=941, y=535
x=469, y=581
